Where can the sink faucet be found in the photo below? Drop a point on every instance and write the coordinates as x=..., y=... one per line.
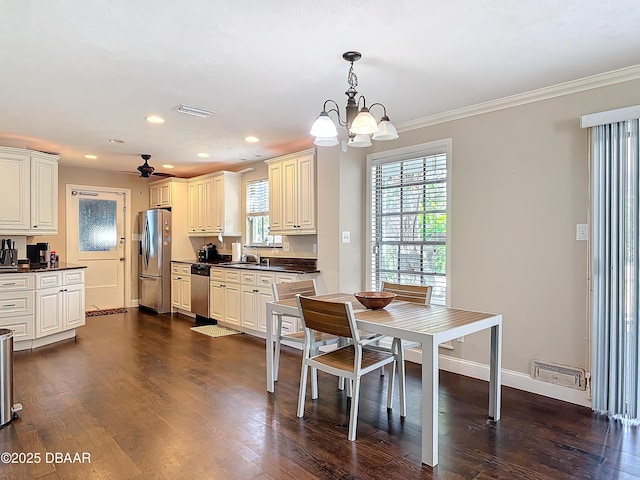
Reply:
x=257, y=255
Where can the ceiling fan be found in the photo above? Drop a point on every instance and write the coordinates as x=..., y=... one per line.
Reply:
x=147, y=170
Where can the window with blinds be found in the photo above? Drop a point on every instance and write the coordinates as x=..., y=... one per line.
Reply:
x=257, y=212
x=409, y=222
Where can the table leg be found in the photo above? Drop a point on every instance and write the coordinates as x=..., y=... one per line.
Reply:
x=495, y=381
x=430, y=403
x=269, y=349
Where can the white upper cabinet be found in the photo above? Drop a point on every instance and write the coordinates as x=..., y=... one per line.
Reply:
x=292, y=194
x=29, y=196
x=214, y=204
x=166, y=193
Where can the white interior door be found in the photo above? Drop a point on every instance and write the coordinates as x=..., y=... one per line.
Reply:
x=96, y=238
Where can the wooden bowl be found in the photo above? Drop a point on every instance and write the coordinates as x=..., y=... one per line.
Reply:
x=375, y=300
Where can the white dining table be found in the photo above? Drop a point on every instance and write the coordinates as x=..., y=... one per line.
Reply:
x=428, y=325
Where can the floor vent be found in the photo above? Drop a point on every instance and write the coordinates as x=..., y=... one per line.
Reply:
x=564, y=375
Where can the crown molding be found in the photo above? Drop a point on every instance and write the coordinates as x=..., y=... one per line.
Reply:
x=567, y=88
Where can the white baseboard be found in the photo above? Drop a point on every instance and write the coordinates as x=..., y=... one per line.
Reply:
x=510, y=378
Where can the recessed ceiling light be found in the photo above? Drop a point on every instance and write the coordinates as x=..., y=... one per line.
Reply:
x=91, y=157
x=203, y=155
x=251, y=139
x=154, y=119
x=115, y=140
x=167, y=166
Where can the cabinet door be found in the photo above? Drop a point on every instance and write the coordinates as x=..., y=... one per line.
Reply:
x=44, y=195
x=73, y=307
x=216, y=300
x=263, y=296
x=290, y=194
x=209, y=206
x=185, y=287
x=164, y=197
x=233, y=304
x=176, y=291
x=14, y=194
x=217, y=204
x=193, y=207
x=154, y=196
x=48, y=311
x=306, y=193
x=275, y=197
x=248, y=307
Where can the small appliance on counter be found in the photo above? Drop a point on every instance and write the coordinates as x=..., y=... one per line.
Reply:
x=39, y=254
x=209, y=253
x=8, y=254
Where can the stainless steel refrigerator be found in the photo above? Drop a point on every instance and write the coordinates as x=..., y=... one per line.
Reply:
x=154, y=279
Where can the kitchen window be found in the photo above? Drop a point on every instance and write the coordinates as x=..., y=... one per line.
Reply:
x=258, y=215
x=408, y=217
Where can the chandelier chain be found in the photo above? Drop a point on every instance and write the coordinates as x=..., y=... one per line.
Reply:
x=352, y=78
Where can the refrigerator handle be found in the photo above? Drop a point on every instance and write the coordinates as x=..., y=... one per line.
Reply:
x=144, y=243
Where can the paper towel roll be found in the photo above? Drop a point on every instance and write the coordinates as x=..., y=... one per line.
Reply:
x=236, y=252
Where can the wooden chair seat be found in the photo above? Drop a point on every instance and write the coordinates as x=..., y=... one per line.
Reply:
x=344, y=358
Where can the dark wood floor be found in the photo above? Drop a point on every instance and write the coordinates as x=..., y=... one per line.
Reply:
x=146, y=397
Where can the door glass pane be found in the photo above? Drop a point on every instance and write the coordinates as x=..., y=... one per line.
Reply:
x=97, y=230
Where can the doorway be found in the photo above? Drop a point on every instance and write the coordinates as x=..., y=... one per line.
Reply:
x=97, y=221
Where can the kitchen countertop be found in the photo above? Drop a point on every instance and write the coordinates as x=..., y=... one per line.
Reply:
x=300, y=266
x=37, y=269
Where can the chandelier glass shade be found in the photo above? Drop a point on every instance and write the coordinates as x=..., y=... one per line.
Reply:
x=358, y=121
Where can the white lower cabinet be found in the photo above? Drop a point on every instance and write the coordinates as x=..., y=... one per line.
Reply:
x=60, y=307
x=254, y=304
x=181, y=286
x=239, y=297
x=17, y=305
x=224, y=296
x=42, y=308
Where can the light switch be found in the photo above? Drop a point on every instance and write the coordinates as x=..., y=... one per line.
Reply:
x=582, y=231
x=346, y=237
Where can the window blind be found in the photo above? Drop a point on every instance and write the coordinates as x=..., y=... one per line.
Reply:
x=258, y=197
x=409, y=223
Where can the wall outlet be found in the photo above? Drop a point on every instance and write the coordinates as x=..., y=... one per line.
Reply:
x=582, y=231
x=285, y=246
x=346, y=237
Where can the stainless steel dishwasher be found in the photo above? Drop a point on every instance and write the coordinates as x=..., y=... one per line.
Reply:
x=200, y=292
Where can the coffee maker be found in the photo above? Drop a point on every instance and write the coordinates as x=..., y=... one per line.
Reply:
x=208, y=253
x=39, y=254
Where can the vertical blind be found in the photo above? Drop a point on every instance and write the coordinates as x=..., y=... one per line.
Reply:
x=616, y=294
x=409, y=223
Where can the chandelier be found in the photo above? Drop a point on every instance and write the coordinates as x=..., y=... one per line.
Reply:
x=358, y=121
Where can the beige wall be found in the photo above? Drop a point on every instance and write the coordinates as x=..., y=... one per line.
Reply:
x=91, y=177
x=519, y=184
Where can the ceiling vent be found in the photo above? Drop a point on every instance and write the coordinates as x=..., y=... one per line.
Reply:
x=196, y=112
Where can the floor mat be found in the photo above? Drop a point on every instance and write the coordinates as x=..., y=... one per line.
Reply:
x=106, y=311
x=214, y=330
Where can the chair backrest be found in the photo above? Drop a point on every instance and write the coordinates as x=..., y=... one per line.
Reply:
x=409, y=293
x=286, y=291
x=335, y=318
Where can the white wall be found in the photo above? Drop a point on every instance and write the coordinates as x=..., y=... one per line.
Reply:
x=519, y=185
